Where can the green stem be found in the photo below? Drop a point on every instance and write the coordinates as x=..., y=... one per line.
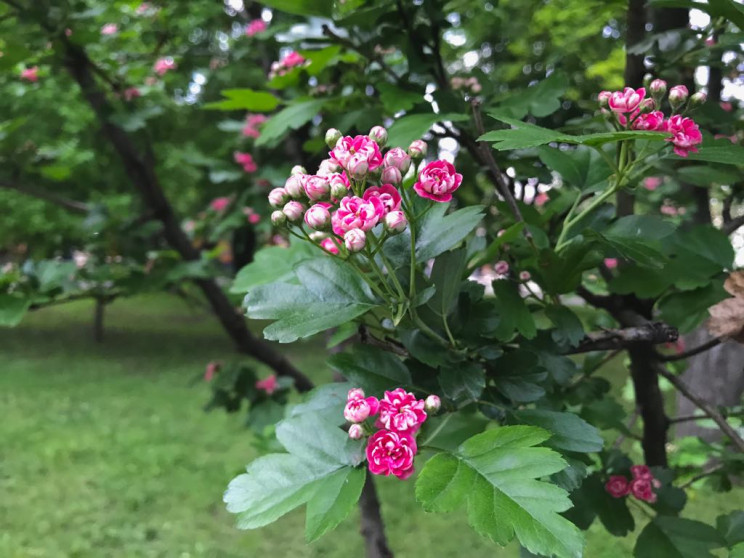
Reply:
x=437, y=431
x=371, y=283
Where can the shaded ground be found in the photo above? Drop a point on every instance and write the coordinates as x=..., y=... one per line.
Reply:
x=105, y=449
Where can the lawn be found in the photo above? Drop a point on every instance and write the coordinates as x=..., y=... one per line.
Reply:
x=105, y=449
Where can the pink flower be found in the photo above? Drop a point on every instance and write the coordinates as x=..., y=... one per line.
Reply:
x=610, y=263
x=668, y=209
x=250, y=130
x=501, y=267
x=316, y=187
x=358, y=167
x=328, y=167
x=356, y=432
x=329, y=245
x=541, y=198
x=400, y=411
x=278, y=197
x=356, y=213
x=359, y=409
x=292, y=59
x=388, y=195
x=142, y=8
x=339, y=185
x=131, y=93
x=651, y=121
x=318, y=217
x=294, y=210
x=642, y=488
x=728, y=107
x=418, y=149
x=651, y=183
x=603, y=98
x=658, y=87
x=627, y=100
x=391, y=175
x=617, y=486
x=164, y=65
x=437, y=181
x=267, y=385
x=109, y=29
x=211, y=370
x=391, y=453
x=219, y=204
x=525, y=276
x=355, y=240
x=399, y=159
x=355, y=393
x=30, y=74
x=254, y=27
x=678, y=95
x=254, y=218
x=685, y=135
x=246, y=160
x=395, y=222
x=347, y=147
x=641, y=472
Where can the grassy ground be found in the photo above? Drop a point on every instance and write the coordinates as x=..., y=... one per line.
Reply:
x=105, y=449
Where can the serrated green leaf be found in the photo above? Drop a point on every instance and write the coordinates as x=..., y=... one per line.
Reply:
x=271, y=264
x=570, y=432
x=412, y=126
x=446, y=274
x=326, y=401
x=569, y=330
x=463, y=383
x=675, y=537
x=440, y=232
x=314, y=440
x=513, y=312
x=731, y=526
x=372, y=369
x=583, y=168
x=444, y=483
x=395, y=99
x=292, y=117
x=334, y=498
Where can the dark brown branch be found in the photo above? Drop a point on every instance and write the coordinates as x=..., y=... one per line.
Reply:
x=692, y=352
x=704, y=406
x=385, y=344
x=732, y=225
x=611, y=339
x=371, y=525
x=46, y=195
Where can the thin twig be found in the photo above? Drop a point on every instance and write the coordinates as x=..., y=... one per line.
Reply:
x=705, y=473
x=631, y=423
x=42, y=194
x=328, y=32
x=692, y=352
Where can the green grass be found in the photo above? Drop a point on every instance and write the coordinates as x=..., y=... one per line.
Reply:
x=105, y=449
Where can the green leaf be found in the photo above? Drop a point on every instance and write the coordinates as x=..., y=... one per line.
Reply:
x=395, y=99
x=583, y=168
x=513, y=311
x=463, y=383
x=518, y=376
x=707, y=175
x=413, y=126
x=53, y=274
x=334, y=498
x=372, y=369
x=326, y=401
x=447, y=277
x=540, y=100
x=570, y=432
x=731, y=526
x=440, y=232
x=685, y=310
x=12, y=309
x=675, y=537
x=726, y=153
x=495, y=473
x=291, y=117
x=271, y=264
x=448, y=431
x=319, y=8
x=569, y=330
x=314, y=440
x=245, y=99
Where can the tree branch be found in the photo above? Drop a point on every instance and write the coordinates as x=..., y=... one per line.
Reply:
x=371, y=525
x=733, y=225
x=42, y=194
x=705, y=473
x=692, y=352
x=611, y=339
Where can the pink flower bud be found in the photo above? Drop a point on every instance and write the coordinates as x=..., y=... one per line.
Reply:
x=379, y=135
x=391, y=175
x=359, y=409
x=318, y=236
x=293, y=186
x=318, y=217
x=317, y=187
x=698, y=98
x=417, y=149
x=332, y=136
x=356, y=432
x=524, y=276
x=355, y=393
x=501, y=267
x=294, y=211
x=658, y=88
x=211, y=370
x=267, y=385
x=647, y=105
x=678, y=95
x=298, y=169
x=395, y=222
x=603, y=98
x=339, y=189
x=355, y=240
x=641, y=472
x=610, y=263
x=651, y=183
x=330, y=245
x=278, y=218
x=432, y=404
x=399, y=159
x=617, y=486
x=328, y=167
x=358, y=166
x=278, y=197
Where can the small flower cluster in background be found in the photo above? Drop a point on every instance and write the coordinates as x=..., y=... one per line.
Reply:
x=281, y=67
x=254, y=27
x=252, y=122
x=357, y=188
x=246, y=161
x=392, y=448
x=641, y=486
x=164, y=65
x=631, y=109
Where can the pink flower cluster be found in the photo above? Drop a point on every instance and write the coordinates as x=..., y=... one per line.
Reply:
x=252, y=122
x=357, y=188
x=641, y=486
x=392, y=448
x=471, y=84
x=219, y=204
x=246, y=161
x=254, y=27
x=164, y=65
x=109, y=29
x=281, y=67
x=633, y=110
x=30, y=74
x=267, y=385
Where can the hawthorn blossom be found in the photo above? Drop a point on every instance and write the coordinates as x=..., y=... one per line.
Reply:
x=400, y=411
x=356, y=213
x=211, y=370
x=131, y=93
x=30, y=74
x=267, y=385
x=685, y=135
x=387, y=194
x=219, y=204
x=109, y=29
x=347, y=147
x=437, y=181
x=617, y=486
x=391, y=453
x=329, y=245
x=252, y=121
x=318, y=217
x=650, y=122
x=651, y=183
x=627, y=100
x=254, y=27
x=246, y=161
x=163, y=65
x=642, y=488
x=610, y=263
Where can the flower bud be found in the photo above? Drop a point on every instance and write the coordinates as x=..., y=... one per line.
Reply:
x=358, y=166
x=647, y=105
x=399, y=159
x=355, y=240
x=298, y=169
x=318, y=236
x=338, y=189
x=278, y=218
x=698, y=98
x=647, y=80
x=604, y=98
x=524, y=276
x=294, y=211
x=356, y=432
x=316, y=188
x=677, y=96
x=332, y=136
x=391, y=175
x=658, y=88
x=501, y=267
x=417, y=149
x=355, y=393
x=379, y=135
x=293, y=186
x=318, y=217
x=278, y=197
x=432, y=404
x=395, y=222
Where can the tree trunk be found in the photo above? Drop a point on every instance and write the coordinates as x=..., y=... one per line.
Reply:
x=98, y=320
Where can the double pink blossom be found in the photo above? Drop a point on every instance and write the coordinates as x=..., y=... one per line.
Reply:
x=391, y=453
x=437, y=181
x=387, y=194
x=30, y=74
x=292, y=59
x=650, y=121
x=246, y=161
x=219, y=204
x=641, y=486
x=617, y=486
x=164, y=65
x=610, y=263
x=400, y=411
x=651, y=183
x=627, y=100
x=254, y=27
x=357, y=213
x=267, y=385
x=359, y=408
x=252, y=121
x=347, y=147
x=685, y=135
